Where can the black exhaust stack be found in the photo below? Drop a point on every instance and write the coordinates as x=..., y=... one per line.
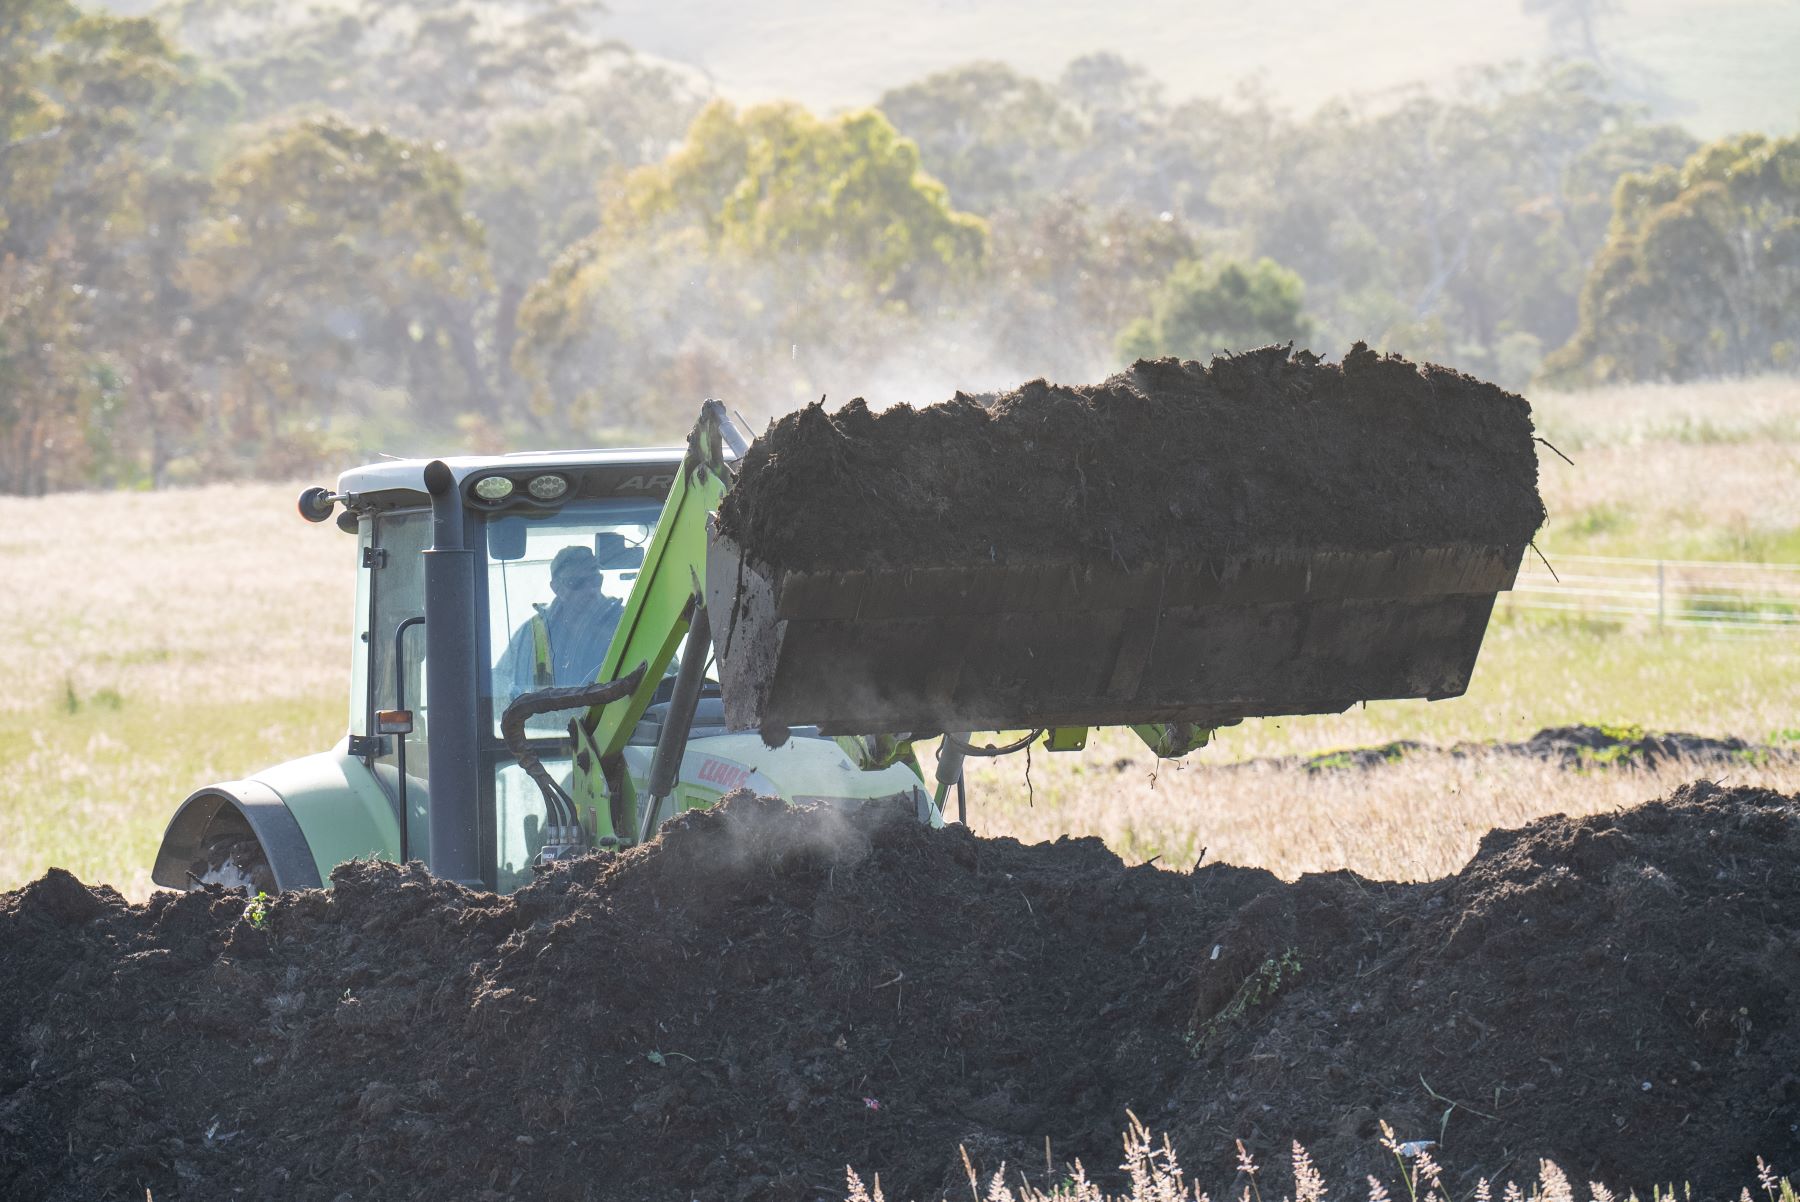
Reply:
x=450, y=687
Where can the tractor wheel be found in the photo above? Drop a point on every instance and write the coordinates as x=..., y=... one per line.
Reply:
x=235, y=860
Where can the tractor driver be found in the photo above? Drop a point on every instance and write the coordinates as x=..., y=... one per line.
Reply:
x=564, y=641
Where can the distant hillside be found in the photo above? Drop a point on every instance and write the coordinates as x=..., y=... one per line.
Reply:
x=1726, y=65
x=1720, y=66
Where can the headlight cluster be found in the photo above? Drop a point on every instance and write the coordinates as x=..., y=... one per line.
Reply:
x=545, y=487
x=493, y=488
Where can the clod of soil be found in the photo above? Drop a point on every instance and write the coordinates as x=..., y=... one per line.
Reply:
x=1165, y=462
x=765, y=995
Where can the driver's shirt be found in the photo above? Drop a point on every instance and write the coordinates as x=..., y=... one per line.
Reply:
x=578, y=627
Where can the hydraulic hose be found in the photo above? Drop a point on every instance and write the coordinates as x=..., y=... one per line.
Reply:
x=990, y=751
x=528, y=705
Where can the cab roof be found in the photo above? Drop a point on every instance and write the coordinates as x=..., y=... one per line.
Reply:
x=408, y=475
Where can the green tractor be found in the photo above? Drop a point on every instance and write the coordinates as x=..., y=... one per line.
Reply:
x=478, y=739
x=557, y=651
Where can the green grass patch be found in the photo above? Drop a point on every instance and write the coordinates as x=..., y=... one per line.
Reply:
x=92, y=781
x=1741, y=542
x=1593, y=523
x=1536, y=670
x=1725, y=607
x=1713, y=431
x=1608, y=530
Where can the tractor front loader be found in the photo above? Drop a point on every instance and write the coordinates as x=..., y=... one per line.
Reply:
x=474, y=747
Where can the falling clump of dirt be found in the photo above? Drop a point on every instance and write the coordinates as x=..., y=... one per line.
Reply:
x=1164, y=462
x=766, y=994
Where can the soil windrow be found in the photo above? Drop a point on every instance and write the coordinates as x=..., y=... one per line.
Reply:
x=1577, y=748
x=764, y=995
x=1164, y=462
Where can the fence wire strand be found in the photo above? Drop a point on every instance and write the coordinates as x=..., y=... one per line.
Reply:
x=1722, y=595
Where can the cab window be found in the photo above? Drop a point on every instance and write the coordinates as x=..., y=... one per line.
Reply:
x=556, y=588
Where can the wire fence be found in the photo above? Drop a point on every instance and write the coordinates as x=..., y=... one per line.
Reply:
x=1663, y=593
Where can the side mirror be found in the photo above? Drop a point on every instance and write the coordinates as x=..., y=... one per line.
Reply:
x=316, y=503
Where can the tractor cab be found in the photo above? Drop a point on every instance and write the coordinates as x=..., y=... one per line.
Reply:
x=523, y=513
x=482, y=581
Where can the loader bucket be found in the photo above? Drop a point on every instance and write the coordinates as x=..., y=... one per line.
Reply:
x=1000, y=647
x=1267, y=534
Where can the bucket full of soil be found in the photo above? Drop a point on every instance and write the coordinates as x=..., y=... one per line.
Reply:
x=1267, y=534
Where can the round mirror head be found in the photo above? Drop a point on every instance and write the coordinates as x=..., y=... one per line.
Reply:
x=315, y=504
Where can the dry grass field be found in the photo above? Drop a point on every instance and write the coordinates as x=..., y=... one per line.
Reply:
x=1703, y=471
x=1416, y=819
x=163, y=640
x=159, y=641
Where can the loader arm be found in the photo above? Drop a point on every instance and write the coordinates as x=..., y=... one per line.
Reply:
x=656, y=617
x=661, y=610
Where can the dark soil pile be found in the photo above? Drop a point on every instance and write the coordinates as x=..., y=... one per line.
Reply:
x=1167, y=461
x=1578, y=747
x=764, y=995
x=1583, y=746
x=1616, y=993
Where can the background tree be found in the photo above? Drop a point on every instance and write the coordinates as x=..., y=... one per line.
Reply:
x=330, y=273
x=1452, y=229
x=995, y=137
x=767, y=228
x=1204, y=309
x=530, y=97
x=1455, y=226
x=90, y=110
x=1700, y=274
x=1065, y=277
x=535, y=184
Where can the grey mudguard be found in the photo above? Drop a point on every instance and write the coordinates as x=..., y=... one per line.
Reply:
x=266, y=814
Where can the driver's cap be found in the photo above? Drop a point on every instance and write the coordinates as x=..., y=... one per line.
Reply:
x=573, y=561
